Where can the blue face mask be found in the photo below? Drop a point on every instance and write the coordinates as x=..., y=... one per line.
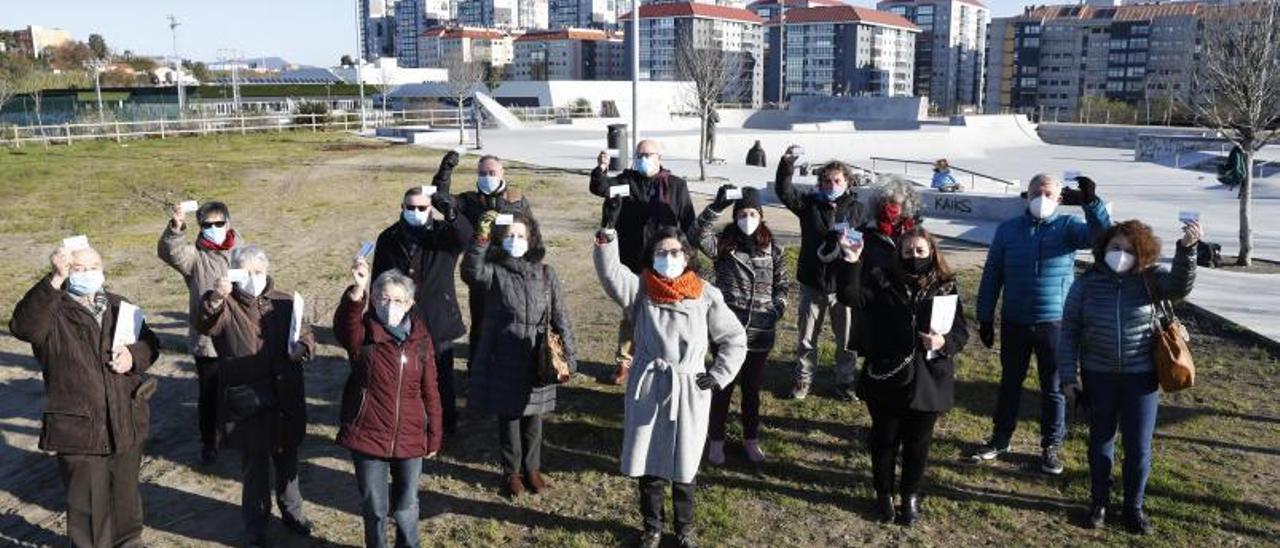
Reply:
x=416, y=218
x=831, y=195
x=647, y=165
x=84, y=283
x=215, y=234
x=488, y=184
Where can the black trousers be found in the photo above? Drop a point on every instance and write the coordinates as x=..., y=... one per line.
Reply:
x=895, y=428
x=256, y=487
x=653, y=491
x=104, y=508
x=448, y=396
x=207, y=402
x=520, y=441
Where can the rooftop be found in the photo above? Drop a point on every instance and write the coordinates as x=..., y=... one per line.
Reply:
x=691, y=9
x=464, y=32
x=591, y=35
x=845, y=14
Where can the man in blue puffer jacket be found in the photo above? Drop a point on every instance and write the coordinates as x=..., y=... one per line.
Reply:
x=1032, y=259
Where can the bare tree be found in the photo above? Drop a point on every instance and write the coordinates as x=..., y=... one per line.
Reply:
x=8, y=88
x=464, y=76
x=711, y=74
x=1239, y=89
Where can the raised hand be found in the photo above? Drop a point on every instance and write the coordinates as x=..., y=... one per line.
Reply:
x=360, y=273
x=722, y=200
x=177, y=217
x=1088, y=189
x=1191, y=233
x=450, y=160
x=60, y=263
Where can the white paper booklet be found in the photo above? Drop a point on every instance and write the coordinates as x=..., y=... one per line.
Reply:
x=128, y=325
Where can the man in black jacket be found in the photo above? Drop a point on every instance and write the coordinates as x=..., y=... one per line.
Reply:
x=425, y=245
x=655, y=198
x=830, y=205
x=491, y=194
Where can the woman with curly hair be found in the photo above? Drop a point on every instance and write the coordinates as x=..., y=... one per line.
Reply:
x=1108, y=329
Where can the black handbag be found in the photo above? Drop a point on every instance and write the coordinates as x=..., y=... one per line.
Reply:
x=244, y=401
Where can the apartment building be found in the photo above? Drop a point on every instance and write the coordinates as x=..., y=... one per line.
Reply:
x=950, y=50
x=440, y=45
x=568, y=54
x=841, y=50
x=664, y=28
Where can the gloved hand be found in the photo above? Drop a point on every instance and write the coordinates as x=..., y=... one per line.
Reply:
x=987, y=334
x=443, y=203
x=1077, y=400
x=1088, y=190
x=444, y=178
x=609, y=212
x=705, y=382
x=722, y=200
x=486, y=224
x=450, y=160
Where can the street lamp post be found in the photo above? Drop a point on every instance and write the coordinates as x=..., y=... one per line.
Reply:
x=177, y=64
x=635, y=73
x=98, y=66
x=360, y=61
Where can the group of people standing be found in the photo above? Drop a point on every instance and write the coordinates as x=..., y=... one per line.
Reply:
x=865, y=261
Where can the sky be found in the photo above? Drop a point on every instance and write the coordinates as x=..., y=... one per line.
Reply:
x=313, y=32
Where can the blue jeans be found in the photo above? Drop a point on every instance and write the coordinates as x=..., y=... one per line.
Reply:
x=1129, y=401
x=371, y=478
x=1017, y=343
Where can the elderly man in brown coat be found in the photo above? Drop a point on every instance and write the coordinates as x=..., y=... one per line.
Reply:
x=96, y=410
x=261, y=346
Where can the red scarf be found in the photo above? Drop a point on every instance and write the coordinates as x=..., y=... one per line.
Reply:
x=889, y=220
x=664, y=291
x=227, y=243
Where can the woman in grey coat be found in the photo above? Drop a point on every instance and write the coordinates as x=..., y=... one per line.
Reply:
x=520, y=294
x=676, y=316
x=1108, y=328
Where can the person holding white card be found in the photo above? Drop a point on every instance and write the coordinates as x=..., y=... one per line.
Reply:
x=1108, y=334
x=751, y=272
x=96, y=408
x=829, y=204
x=425, y=244
x=524, y=303
x=201, y=263
x=908, y=375
x=263, y=411
x=657, y=199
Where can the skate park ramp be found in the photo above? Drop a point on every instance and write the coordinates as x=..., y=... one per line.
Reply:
x=813, y=113
x=498, y=113
x=1002, y=129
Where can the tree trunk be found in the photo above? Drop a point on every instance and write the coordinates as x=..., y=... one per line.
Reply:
x=462, y=126
x=1245, y=258
x=702, y=145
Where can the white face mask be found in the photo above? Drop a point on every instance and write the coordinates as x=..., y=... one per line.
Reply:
x=85, y=282
x=515, y=247
x=391, y=314
x=215, y=234
x=415, y=217
x=669, y=267
x=1120, y=261
x=1041, y=207
x=257, y=284
x=488, y=184
x=748, y=225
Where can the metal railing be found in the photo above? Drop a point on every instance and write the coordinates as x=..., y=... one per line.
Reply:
x=67, y=133
x=973, y=175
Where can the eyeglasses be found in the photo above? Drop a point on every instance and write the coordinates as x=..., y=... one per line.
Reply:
x=668, y=253
x=210, y=224
x=408, y=207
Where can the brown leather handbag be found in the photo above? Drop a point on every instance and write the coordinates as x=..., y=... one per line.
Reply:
x=550, y=358
x=1169, y=352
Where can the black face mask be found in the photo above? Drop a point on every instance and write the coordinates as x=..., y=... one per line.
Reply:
x=917, y=265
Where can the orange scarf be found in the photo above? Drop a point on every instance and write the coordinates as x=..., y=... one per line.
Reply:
x=663, y=291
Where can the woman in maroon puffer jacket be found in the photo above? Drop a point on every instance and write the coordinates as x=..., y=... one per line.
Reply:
x=391, y=414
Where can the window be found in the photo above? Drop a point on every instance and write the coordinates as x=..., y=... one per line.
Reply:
x=1137, y=43
x=1030, y=42
x=1136, y=72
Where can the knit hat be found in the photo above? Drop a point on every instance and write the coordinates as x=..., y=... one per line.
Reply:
x=750, y=200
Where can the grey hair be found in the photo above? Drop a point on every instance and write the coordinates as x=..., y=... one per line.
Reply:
x=393, y=277
x=248, y=254
x=1041, y=179
x=896, y=188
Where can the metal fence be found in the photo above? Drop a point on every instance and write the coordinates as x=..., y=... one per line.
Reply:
x=973, y=175
x=68, y=133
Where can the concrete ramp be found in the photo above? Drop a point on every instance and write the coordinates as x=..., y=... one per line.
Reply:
x=1001, y=129
x=503, y=117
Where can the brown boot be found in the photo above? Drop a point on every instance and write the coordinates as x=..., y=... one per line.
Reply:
x=537, y=483
x=620, y=376
x=514, y=486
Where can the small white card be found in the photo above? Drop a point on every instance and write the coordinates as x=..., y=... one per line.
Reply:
x=428, y=190
x=853, y=236
x=734, y=193
x=238, y=276
x=460, y=149
x=613, y=152
x=619, y=190
x=504, y=219
x=366, y=249
x=1189, y=217
x=1070, y=175
x=944, y=313
x=295, y=324
x=128, y=325
x=797, y=151
x=189, y=206
x=75, y=242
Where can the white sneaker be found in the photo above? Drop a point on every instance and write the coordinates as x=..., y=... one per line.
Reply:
x=752, y=447
x=715, y=452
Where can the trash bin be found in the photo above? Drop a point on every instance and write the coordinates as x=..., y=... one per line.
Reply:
x=616, y=142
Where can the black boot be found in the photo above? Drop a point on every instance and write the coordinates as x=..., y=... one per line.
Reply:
x=650, y=539
x=1098, y=515
x=909, y=512
x=884, y=508
x=1136, y=520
